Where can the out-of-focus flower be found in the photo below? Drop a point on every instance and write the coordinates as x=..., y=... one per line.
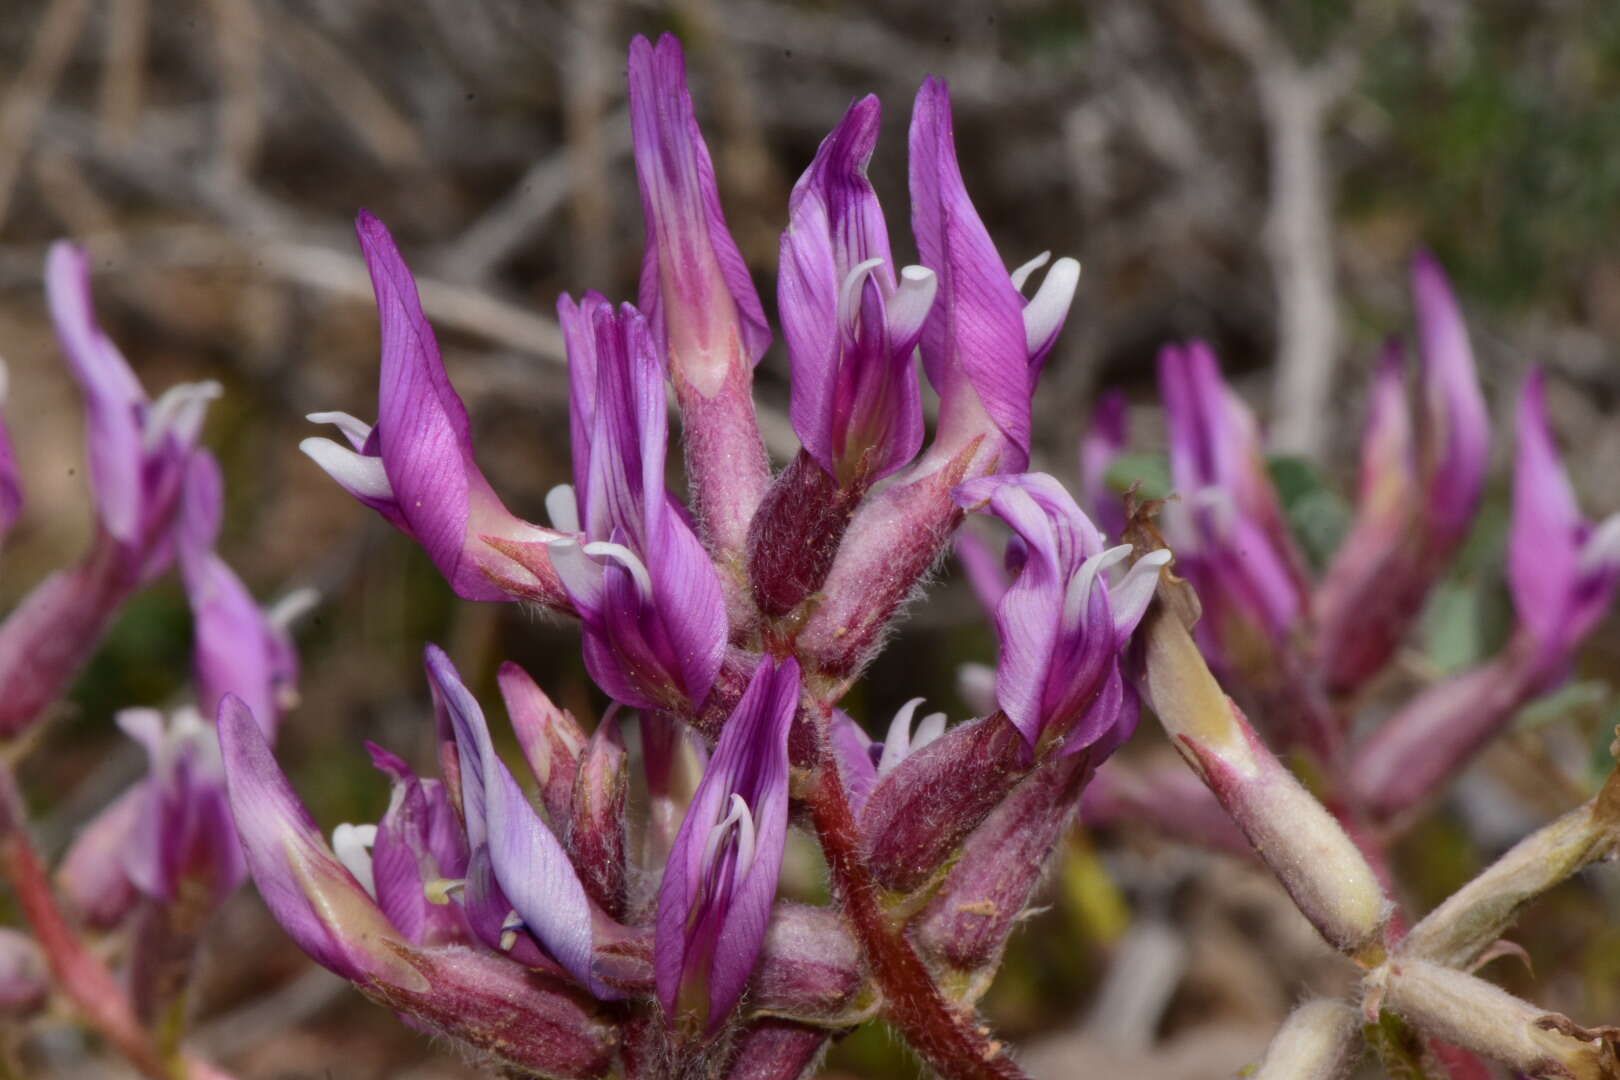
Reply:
x=1062, y=626
x=1563, y=571
x=650, y=599
x=697, y=296
x=1104, y=441
x=140, y=454
x=416, y=466
x=25, y=983
x=1563, y=568
x=1419, y=491
x=183, y=836
x=720, y=881
x=11, y=491
x=239, y=648
x=1228, y=530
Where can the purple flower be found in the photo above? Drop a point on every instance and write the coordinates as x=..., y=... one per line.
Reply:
x=1456, y=446
x=139, y=449
x=479, y=996
x=654, y=615
x=416, y=466
x=1228, y=530
x=238, y=647
x=11, y=492
x=851, y=326
x=417, y=852
x=528, y=862
x=982, y=343
x=140, y=454
x=183, y=837
x=1563, y=568
x=1062, y=625
x=1420, y=488
x=697, y=295
x=720, y=881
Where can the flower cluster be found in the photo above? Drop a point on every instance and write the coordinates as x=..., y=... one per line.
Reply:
x=162, y=856
x=731, y=629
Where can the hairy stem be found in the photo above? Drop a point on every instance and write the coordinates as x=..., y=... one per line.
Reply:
x=948, y=1039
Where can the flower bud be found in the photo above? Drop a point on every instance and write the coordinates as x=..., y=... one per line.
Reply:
x=966, y=925
x=697, y=296
x=1320, y=1040
x=920, y=811
x=1307, y=849
x=550, y=738
x=810, y=969
x=777, y=1050
x=25, y=982
x=1470, y=1012
x=596, y=837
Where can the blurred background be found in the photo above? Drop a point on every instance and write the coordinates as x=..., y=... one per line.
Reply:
x=1255, y=174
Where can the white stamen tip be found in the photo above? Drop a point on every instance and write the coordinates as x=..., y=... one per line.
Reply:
x=1020, y=276
x=897, y=743
x=627, y=559
x=356, y=430
x=361, y=476
x=849, y=295
x=1046, y=310
x=352, y=845
x=562, y=508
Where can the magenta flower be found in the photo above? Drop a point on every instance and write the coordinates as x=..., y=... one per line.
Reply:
x=720, y=881
x=239, y=648
x=1563, y=568
x=477, y=995
x=650, y=600
x=140, y=453
x=11, y=491
x=183, y=836
x=418, y=851
x=983, y=344
x=416, y=466
x=851, y=324
x=697, y=295
x=1228, y=529
x=1062, y=625
x=1420, y=487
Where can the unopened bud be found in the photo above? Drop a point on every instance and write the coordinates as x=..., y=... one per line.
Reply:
x=24, y=980
x=777, y=1050
x=920, y=812
x=596, y=837
x=1294, y=834
x=1472, y=1013
x=810, y=969
x=550, y=738
x=796, y=533
x=968, y=922
x=1321, y=1040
